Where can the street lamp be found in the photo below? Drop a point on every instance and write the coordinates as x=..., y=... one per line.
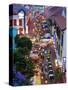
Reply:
x=46, y=81
x=56, y=62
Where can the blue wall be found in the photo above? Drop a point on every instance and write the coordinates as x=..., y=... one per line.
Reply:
x=13, y=33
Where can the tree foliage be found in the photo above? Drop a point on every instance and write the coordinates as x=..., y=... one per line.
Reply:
x=23, y=42
x=22, y=60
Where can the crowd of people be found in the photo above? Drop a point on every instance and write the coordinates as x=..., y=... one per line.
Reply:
x=36, y=23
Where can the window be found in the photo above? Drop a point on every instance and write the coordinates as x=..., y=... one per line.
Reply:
x=11, y=22
x=20, y=30
x=20, y=22
x=15, y=23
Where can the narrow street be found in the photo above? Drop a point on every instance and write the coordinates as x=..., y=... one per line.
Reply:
x=41, y=63
x=41, y=32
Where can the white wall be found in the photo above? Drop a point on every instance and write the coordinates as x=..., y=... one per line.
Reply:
x=64, y=44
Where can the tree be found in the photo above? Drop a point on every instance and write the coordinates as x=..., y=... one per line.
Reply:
x=23, y=42
x=24, y=65
x=22, y=61
x=58, y=76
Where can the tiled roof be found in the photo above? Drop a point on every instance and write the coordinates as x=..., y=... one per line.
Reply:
x=61, y=22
